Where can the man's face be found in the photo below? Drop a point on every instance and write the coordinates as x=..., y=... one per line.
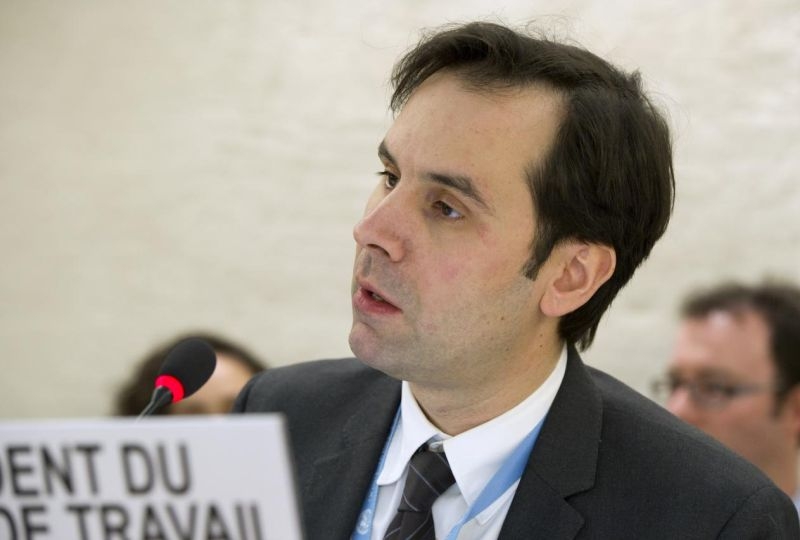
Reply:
x=732, y=350
x=438, y=293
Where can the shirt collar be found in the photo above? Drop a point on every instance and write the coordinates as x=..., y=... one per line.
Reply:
x=477, y=454
x=413, y=430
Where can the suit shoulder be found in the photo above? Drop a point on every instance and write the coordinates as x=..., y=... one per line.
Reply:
x=318, y=382
x=660, y=456
x=314, y=371
x=324, y=402
x=648, y=429
x=649, y=436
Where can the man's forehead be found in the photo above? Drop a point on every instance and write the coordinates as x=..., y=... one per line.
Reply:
x=707, y=373
x=445, y=98
x=448, y=128
x=744, y=324
x=724, y=340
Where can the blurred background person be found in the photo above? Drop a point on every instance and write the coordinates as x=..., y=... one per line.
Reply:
x=735, y=374
x=235, y=366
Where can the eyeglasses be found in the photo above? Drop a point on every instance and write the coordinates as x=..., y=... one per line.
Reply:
x=707, y=394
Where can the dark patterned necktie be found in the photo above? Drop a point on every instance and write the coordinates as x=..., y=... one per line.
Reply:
x=428, y=477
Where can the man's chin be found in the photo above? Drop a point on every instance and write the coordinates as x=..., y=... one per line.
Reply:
x=372, y=353
x=364, y=348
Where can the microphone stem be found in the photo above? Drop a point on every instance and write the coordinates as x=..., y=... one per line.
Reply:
x=161, y=396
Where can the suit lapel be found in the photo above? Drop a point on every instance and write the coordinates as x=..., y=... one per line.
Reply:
x=338, y=483
x=562, y=463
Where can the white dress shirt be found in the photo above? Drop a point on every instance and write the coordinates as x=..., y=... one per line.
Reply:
x=474, y=456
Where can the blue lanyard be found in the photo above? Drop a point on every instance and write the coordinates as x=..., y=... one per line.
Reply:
x=510, y=471
x=364, y=525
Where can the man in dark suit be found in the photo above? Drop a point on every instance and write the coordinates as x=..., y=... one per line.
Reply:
x=523, y=182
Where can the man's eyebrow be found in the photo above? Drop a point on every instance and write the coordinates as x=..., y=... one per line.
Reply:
x=383, y=152
x=706, y=374
x=462, y=184
x=715, y=374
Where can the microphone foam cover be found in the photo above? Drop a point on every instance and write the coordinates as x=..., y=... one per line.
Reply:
x=191, y=362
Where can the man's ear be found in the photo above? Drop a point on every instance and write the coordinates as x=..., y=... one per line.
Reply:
x=579, y=270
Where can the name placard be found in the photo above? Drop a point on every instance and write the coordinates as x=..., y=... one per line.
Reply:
x=162, y=478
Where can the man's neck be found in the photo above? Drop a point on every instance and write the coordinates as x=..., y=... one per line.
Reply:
x=458, y=408
x=784, y=474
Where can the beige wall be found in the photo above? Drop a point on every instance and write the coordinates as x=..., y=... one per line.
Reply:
x=172, y=165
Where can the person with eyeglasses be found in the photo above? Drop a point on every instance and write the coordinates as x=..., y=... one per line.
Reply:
x=735, y=374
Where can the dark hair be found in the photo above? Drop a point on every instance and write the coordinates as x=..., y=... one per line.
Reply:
x=777, y=303
x=134, y=395
x=608, y=178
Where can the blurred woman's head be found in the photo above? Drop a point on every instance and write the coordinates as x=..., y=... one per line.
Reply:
x=235, y=366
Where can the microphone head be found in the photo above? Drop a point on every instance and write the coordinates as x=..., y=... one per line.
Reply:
x=186, y=368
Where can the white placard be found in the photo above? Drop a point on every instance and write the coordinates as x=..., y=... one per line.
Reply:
x=163, y=478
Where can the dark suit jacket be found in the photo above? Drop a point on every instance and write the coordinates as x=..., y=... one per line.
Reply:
x=608, y=462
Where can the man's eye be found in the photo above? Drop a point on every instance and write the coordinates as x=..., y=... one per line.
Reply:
x=447, y=211
x=674, y=384
x=714, y=389
x=389, y=180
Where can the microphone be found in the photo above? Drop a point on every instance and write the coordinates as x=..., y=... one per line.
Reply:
x=186, y=368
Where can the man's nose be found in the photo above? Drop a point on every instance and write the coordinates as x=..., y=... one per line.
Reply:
x=385, y=227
